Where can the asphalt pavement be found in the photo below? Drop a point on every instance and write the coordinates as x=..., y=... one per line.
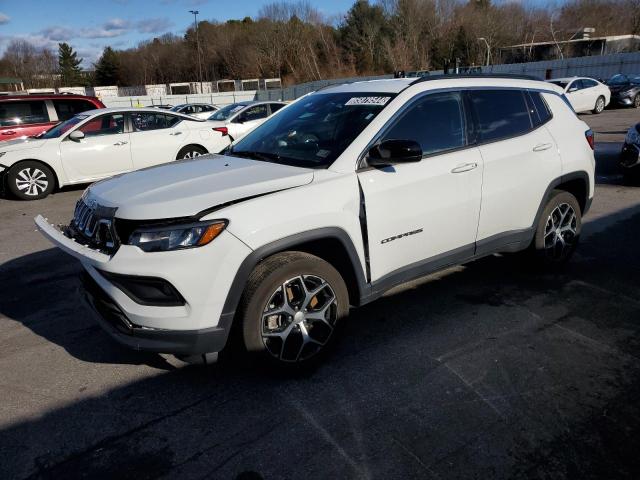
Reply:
x=488, y=370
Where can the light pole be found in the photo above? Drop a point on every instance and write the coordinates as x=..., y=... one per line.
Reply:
x=488, y=48
x=195, y=23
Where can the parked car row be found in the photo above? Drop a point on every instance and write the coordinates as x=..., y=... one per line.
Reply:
x=100, y=143
x=590, y=95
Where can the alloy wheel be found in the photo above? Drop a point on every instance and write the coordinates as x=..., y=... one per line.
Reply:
x=599, y=105
x=560, y=232
x=299, y=318
x=32, y=181
x=636, y=101
x=192, y=154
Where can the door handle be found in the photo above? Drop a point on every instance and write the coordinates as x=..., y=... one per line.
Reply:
x=464, y=168
x=8, y=132
x=542, y=146
x=119, y=144
x=176, y=133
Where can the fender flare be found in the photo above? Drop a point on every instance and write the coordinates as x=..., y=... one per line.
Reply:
x=289, y=243
x=577, y=175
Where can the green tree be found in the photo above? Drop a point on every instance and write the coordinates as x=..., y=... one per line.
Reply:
x=363, y=33
x=108, y=68
x=69, y=64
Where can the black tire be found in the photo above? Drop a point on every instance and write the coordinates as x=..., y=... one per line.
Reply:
x=636, y=101
x=265, y=288
x=190, y=151
x=30, y=180
x=599, y=106
x=549, y=250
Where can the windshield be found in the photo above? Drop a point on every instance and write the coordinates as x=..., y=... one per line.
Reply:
x=63, y=127
x=618, y=80
x=226, y=112
x=560, y=83
x=314, y=131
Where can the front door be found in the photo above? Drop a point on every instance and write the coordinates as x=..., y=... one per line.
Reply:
x=104, y=151
x=428, y=210
x=247, y=120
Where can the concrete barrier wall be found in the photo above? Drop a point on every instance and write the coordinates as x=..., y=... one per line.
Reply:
x=219, y=99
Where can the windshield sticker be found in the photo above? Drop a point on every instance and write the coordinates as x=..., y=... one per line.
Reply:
x=235, y=109
x=368, y=101
x=323, y=153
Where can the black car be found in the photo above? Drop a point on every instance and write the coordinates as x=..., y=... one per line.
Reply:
x=625, y=90
x=630, y=155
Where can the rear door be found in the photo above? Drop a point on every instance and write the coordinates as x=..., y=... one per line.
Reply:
x=23, y=118
x=103, y=152
x=421, y=212
x=520, y=160
x=156, y=138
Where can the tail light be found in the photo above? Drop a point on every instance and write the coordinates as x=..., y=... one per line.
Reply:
x=223, y=130
x=590, y=139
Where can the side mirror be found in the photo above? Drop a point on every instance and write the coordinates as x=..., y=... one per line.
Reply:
x=394, y=151
x=572, y=89
x=76, y=135
x=239, y=119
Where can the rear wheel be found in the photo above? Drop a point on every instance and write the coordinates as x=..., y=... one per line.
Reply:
x=291, y=308
x=30, y=180
x=558, y=229
x=190, y=151
x=636, y=101
x=600, y=104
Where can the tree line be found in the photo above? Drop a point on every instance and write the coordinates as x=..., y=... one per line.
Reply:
x=296, y=42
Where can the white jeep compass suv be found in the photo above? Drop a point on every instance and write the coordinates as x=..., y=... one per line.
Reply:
x=335, y=199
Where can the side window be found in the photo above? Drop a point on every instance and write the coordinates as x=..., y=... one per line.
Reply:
x=254, y=113
x=146, y=121
x=500, y=113
x=575, y=86
x=206, y=108
x=435, y=121
x=586, y=83
x=68, y=108
x=275, y=107
x=104, y=125
x=538, y=108
x=16, y=113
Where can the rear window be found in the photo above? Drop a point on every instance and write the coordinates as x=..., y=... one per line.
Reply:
x=16, y=113
x=70, y=107
x=500, y=113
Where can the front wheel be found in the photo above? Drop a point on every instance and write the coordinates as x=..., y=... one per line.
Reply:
x=599, y=107
x=190, y=151
x=636, y=101
x=291, y=308
x=558, y=229
x=30, y=180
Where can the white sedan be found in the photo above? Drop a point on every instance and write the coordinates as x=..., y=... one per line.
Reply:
x=236, y=119
x=100, y=143
x=198, y=110
x=584, y=94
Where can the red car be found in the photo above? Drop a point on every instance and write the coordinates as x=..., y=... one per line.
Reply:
x=28, y=115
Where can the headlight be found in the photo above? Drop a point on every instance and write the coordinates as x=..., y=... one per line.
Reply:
x=176, y=237
x=633, y=137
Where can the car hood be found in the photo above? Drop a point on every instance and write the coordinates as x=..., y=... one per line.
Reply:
x=622, y=88
x=188, y=187
x=21, y=144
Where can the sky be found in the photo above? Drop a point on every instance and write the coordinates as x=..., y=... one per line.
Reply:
x=90, y=25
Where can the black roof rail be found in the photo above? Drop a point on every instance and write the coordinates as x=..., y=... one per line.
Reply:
x=511, y=76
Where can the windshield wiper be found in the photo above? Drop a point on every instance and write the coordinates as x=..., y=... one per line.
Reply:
x=254, y=155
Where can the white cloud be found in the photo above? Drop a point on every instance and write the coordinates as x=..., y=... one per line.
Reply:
x=154, y=25
x=4, y=18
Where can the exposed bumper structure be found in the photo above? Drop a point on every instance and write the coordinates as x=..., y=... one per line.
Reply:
x=195, y=325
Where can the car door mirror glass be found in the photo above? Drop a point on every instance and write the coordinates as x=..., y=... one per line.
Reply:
x=76, y=135
x=394, y=151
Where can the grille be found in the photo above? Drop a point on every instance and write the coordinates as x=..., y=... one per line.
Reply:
x=92, y=225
